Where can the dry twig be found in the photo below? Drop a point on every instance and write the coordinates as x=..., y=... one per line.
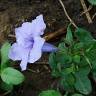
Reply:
x=71, y=21
x=86, y=11
x=93, y=16
x=90, y=7
x=33, y=71
x=53, y=35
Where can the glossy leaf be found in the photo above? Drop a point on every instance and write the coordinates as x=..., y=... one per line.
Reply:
x=12, y=76
x=4, y=55
x=77, y=95
x=76, y=59
x=69, y=37
x=6, y=87
x=83, y=35
x=84, y=71
x=83, y=84
x=52, y=61
x=63, y=58
x=93, y=2
x=56, y=73
x=68, y=70
x=50, y=93
x=78, y=46
x=91, y=55
x=68, y=82
x=83, y=62
x=62, y=47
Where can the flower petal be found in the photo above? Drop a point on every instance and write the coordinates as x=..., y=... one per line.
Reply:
x=30, y=29
x=23, y=64
x=15, y=52
x=49, y=48
x=24, y=61
x=23, y=32
x=28, y=46
x=36, y=51
x=38, y=26
x=19, y=53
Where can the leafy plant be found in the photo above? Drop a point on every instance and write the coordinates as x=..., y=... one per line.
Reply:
x=74, y=61
x=9, y=75
x=93, y=2
x=50, y=93
x=77, y=95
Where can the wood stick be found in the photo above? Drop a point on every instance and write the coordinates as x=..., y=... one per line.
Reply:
x=90, y=7
x=94, y=16
x=53, y=35
x=86, y=12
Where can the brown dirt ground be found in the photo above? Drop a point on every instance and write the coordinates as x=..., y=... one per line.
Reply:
x=14, y=12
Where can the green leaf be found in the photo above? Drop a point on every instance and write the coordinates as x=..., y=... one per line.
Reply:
x=78, y=46
x=6, y=87
x=77, y=95
x=93, y=2
x=83, y=35
x=4, y=55
x=68, y=82
x=56, y=73
x=66, y=71
x=50, y=93
x=83, y=84
x=84, y=71
x=63, y=47
x=83, y=62
x=63, y=58
x=54, y=65
x=52, y=61
x=76, y=59
x=12, y=76
x=91, y=55
x=69, y=37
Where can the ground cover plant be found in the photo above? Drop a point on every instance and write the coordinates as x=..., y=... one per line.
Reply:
x=74, y=61
x=93, y=2
x=9, y=76
x=47, y=48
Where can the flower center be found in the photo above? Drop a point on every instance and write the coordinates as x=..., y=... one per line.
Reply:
x=29, y=43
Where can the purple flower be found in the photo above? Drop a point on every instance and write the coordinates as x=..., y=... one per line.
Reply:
x=29, y=43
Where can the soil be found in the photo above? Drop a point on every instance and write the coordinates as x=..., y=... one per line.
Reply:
x=14, y=12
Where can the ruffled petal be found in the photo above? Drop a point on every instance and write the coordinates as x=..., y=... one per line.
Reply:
x=28, y=46
x=36, y=51
x=19, y=53
x=30, y=29
x=24, y=61
x=23, y=33
x=15, y=52
x=38, y=26
x=23, y=64
x=49, y=48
